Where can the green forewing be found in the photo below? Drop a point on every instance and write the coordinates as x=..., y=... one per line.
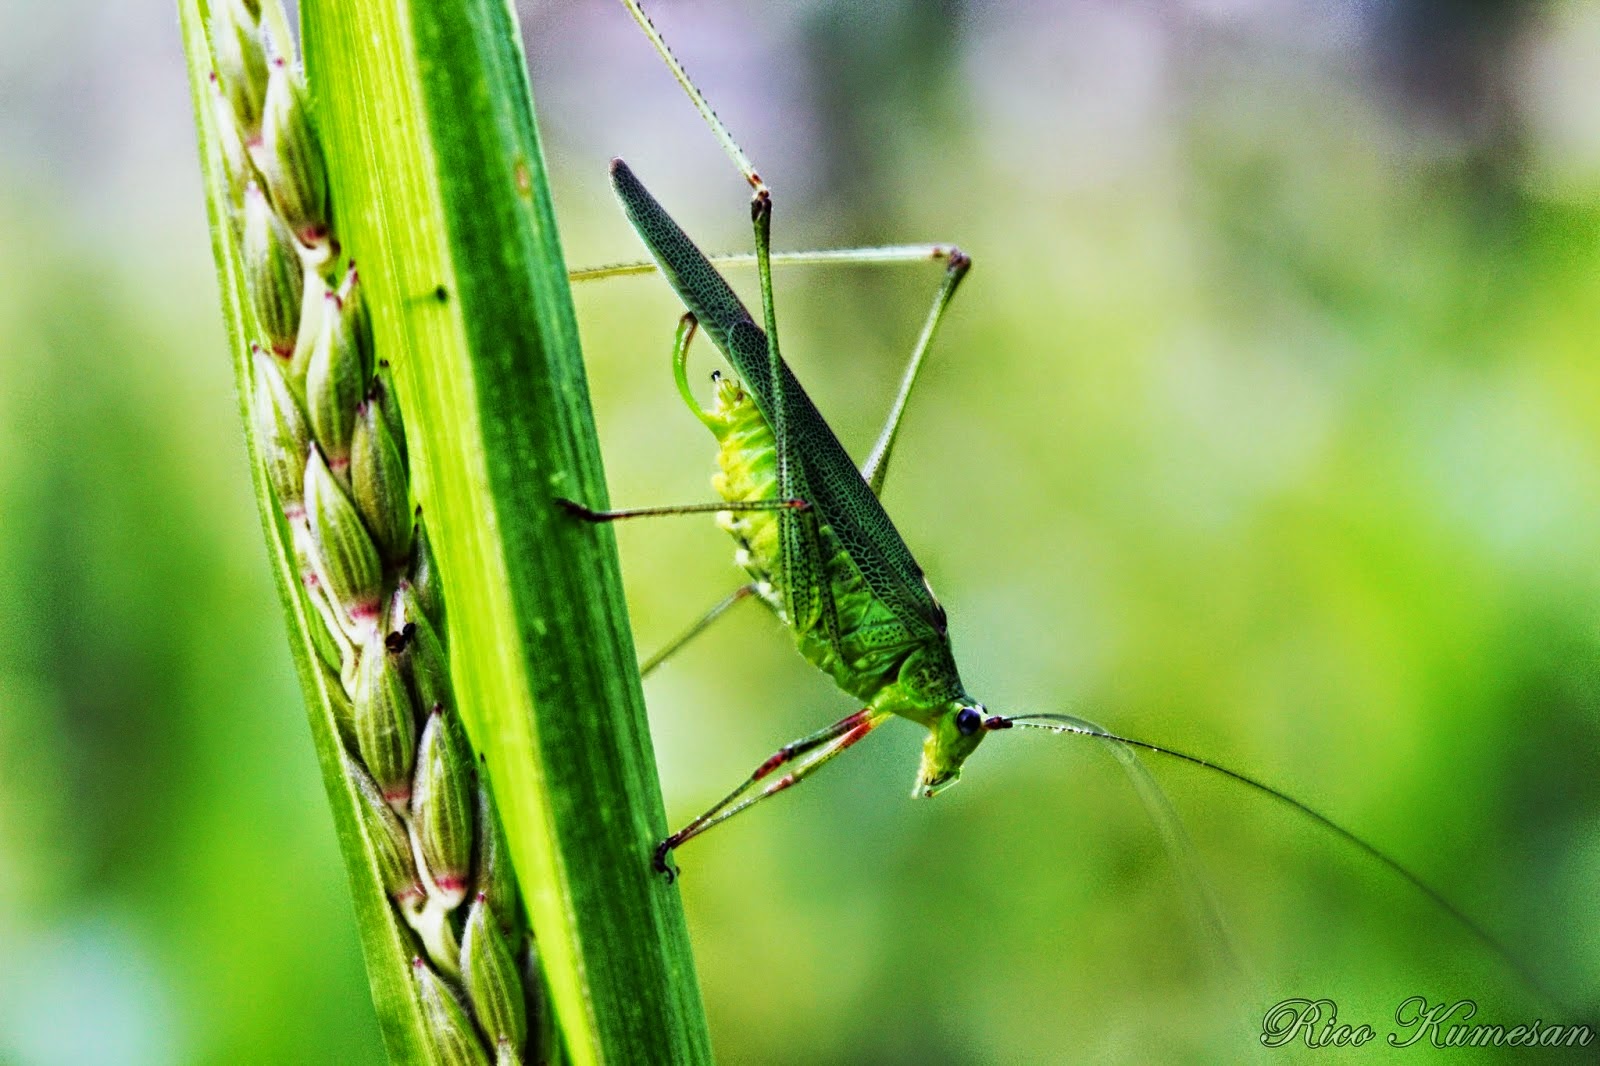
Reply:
x=825, y=474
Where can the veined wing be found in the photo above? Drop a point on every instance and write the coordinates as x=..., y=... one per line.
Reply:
x=833, y=484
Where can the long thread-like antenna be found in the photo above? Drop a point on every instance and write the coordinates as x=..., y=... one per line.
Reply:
x=701, y=104
x=1056, y=723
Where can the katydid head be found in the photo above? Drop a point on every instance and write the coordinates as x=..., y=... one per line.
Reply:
x=953, y=734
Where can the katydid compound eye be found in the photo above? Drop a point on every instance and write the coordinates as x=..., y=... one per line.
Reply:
x=967, y=721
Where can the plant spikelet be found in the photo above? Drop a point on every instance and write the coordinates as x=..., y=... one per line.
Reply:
x=332, y=442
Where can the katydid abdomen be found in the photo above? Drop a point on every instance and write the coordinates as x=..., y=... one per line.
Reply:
x=872, y=647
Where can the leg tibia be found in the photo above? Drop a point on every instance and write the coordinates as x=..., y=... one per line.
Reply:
x=825, y=744
x=887, y=255
x=578, y=510
x=678, y=643
x=877, y=465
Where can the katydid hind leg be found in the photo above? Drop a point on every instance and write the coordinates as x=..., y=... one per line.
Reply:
x=696, y=97
x=778, y=416
x=878, y=255
x=876, y=468
x=802, y=578
x=806, y=590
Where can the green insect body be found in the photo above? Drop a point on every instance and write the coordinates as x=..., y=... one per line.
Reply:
x=844, y=581
x=875, y=659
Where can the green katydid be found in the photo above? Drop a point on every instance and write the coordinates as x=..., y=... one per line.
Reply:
x=817, y=543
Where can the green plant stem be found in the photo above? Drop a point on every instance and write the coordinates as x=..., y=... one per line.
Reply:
x=472, y=297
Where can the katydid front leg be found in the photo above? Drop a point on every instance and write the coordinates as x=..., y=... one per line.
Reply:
x=831, y=740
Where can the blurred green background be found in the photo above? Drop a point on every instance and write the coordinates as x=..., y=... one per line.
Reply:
x=1267, y=426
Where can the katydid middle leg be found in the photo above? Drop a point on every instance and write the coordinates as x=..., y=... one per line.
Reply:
x=703, y=623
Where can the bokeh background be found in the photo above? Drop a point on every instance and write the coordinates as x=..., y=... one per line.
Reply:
x=1267, y=426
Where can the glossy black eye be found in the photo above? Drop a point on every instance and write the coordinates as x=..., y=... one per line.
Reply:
x=967, y=721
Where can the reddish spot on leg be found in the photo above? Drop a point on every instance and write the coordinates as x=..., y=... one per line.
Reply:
x=855, y=734
x=777, y=759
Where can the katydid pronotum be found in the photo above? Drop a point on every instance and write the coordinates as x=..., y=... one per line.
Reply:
x=819, y=548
